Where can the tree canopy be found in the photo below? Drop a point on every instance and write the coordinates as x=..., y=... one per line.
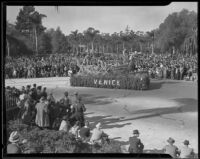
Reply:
x=178, y=31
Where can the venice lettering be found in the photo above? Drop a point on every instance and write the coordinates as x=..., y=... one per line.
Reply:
x=107, y=82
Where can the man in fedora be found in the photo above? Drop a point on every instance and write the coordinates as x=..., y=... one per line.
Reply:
x=136, y=146
x=171, y=149
x=186, y=151
x=65, y=103
x=13, y=146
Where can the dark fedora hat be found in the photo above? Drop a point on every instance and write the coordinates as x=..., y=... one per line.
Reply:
x=186, y=142
x=136, y=132
x=66, y=93
x=171, y=140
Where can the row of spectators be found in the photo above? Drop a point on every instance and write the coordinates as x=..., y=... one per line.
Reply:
x=39, y=108
x=176, y=67
x=34, y=67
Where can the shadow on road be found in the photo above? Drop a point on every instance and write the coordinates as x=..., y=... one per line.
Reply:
x=185, y=105
x=106, y=121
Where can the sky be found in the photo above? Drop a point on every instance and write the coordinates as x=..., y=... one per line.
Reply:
x=106, y=19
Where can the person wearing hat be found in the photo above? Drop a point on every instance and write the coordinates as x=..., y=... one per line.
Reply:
x=65, y=102
x=28, y=87
x=186, y=151
x=13, y=146
x=39, y=93
x=171, y=149
x=44, y=92
x=136, y=146
x=78, y=111
x=97, y=134
x=42, y=115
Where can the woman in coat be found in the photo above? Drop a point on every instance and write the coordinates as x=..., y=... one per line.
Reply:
x=42, y=115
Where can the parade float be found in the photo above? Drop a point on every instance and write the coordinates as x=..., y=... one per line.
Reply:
x=117, y=77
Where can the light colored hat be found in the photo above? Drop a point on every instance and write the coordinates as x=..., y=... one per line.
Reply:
x=14, y=137
x=23, y=96
x=98, y=125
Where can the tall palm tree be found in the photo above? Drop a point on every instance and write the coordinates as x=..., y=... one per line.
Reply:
x=91, y=33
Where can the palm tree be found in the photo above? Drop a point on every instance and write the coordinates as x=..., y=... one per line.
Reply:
x=91, y=33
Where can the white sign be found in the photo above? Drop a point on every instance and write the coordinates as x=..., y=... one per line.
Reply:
x=107, y=82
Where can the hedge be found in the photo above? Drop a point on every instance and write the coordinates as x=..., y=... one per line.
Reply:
x=52, y=141
x=136, y=81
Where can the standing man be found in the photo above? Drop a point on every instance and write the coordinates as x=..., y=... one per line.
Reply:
x=79, y=109
x=136, y=146
x=171, y=149
x=66, y=103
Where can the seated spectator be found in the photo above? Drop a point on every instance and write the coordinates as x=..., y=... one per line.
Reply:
x=13, y=147
x=97, y=134
x=85, y=132
x=65, y=125
x=171, y=149
x=74, y=130
x=186, y=151
x=136, y=146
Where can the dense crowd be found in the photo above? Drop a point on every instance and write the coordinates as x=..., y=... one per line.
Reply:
x=178, y=67
x=34, y=67
x=39, y=108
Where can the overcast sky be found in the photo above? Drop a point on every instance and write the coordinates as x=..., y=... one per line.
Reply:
x=104, y=18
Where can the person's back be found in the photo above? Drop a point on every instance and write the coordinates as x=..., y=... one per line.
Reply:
x=171, y=150
x=13, y=148
x=84, y=132
x=135, y=145
x=186, y=152
x=96, y=135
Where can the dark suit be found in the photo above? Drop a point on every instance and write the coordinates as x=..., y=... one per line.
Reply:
x=136, y=145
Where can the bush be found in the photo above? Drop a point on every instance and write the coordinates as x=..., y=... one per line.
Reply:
x=52, y=141
x=136, y=81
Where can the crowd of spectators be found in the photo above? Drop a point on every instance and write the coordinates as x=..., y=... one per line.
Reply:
x=39, y=108
x=176, y=67
x=34, y=67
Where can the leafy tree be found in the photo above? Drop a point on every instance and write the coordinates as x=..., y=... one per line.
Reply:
x=29, y=23
x=45, y=46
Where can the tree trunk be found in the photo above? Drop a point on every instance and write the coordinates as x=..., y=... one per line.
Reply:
x=36, y=41
x=92, y=46
x=103, y=49
x=8, y=47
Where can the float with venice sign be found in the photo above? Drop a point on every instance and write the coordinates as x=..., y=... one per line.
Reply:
x=136, y=81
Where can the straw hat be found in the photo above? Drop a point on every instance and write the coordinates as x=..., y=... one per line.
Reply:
x=98, y=125
x=14, y=137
